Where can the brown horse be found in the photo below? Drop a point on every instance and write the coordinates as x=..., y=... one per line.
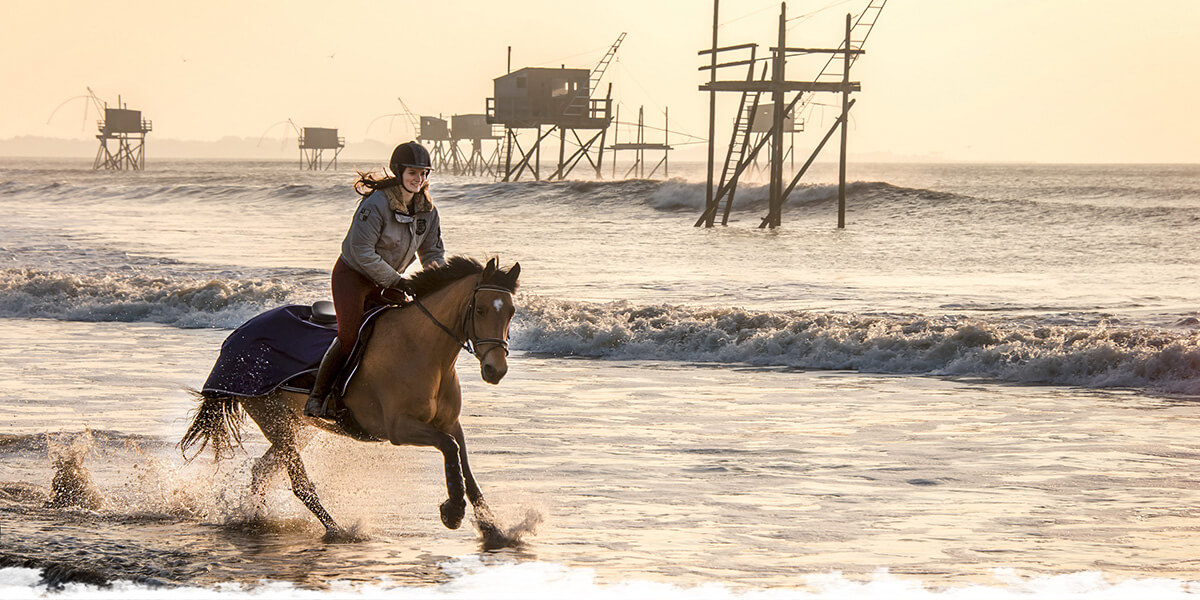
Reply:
x=405, y=389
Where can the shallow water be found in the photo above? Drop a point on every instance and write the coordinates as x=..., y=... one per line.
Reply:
x=989, y=379
x=675, y=472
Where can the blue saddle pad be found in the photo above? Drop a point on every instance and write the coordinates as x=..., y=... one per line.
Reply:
x=269, y=350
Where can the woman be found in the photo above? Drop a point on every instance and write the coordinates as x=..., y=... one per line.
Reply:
x=394, y=224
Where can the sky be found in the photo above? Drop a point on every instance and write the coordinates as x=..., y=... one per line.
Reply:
x=942, y=80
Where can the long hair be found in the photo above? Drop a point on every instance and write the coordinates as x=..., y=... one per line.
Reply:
x=369, y=182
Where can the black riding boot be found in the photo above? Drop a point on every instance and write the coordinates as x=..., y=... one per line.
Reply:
x=321, y=404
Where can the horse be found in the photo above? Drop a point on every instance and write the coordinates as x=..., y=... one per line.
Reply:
x=405, y=389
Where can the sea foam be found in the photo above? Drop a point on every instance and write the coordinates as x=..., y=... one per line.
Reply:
x=1041, y=350
x=1026, y=351
x=470, y=578
x=28, y=293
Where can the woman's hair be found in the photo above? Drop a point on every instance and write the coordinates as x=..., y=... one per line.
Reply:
x=370, y=181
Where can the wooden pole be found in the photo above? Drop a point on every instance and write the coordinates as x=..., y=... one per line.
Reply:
x=562, y=146
x=712, y=122
x=666, y=142
x=616, y=132
x=604, y=134
x=641, y=139
x=508, y=144
x=777, y=78
x=808, y=163
x=845, y=121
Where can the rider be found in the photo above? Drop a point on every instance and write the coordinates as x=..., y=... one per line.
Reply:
x=394, y=224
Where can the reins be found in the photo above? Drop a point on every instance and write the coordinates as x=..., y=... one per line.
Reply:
x=471, y=345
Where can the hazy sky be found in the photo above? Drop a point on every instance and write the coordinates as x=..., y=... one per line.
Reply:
x=993, y=80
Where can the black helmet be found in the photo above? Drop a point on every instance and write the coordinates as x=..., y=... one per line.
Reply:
x=409, y=154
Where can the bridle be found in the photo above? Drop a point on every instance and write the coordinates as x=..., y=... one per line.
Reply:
x=472, y=343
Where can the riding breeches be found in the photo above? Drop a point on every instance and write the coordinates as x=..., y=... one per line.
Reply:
x=353, y=294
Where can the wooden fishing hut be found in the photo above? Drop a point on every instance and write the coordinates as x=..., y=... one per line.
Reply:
x=834, y=78
x=434, y=132
x=762, y=123
x=639, y=147
x=476, y=130
x=549, y=100
x=314, y=141
x=127, y=129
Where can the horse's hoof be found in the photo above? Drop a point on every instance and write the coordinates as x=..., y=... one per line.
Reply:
x=453, y=512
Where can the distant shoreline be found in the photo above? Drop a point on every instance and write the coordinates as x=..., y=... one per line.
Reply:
x=374, y=152
x=350, y=162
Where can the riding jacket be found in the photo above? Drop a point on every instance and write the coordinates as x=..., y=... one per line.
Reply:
x=384, y=239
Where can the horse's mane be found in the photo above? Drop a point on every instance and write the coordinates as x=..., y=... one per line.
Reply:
x=430, y=280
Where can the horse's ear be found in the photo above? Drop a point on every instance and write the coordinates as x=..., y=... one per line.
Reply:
x=491, y=267
x=509, y=277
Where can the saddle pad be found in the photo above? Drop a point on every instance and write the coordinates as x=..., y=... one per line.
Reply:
x=279, y=348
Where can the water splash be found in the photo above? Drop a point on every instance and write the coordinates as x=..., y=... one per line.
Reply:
x=494, y=537
x=72, y=485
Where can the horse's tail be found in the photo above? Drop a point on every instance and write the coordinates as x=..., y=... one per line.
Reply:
x=216, y=423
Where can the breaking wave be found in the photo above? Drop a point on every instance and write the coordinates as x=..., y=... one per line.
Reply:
x=33, y=293
x=669, y=195
x=1024, y=351
x=1045, y=350
x=1050, y=202
x=218, y=189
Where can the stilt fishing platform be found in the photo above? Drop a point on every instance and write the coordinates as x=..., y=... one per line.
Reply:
x=127, y=130
x=548, y=100
x=744, y=146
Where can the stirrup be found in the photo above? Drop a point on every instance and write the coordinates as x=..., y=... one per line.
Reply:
x=321, y=411
x=328, y=411
x=333, y=409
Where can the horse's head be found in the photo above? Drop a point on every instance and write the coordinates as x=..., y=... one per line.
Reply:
x=490, y=312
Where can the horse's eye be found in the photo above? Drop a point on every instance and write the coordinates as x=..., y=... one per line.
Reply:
x=479, y=311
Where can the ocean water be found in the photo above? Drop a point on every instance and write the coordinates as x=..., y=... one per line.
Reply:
x=984, y=387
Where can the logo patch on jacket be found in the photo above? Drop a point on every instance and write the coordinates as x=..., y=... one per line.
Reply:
x=364, y=214
x=421, y=226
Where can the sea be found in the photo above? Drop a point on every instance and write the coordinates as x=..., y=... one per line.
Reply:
x=985, y=386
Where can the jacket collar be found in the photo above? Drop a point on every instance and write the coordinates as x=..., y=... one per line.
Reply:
x=421, y=201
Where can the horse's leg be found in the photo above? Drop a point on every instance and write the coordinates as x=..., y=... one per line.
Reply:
x=304, y=489
x=483, y=514
x=282, y=428
x=411, y=432
x=260, y=474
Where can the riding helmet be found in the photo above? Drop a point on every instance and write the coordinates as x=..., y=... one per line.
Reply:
x=410, y=154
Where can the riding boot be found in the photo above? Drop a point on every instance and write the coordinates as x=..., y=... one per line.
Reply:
x=321, y=403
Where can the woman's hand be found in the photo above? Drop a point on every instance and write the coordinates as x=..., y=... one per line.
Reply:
x=398, y=294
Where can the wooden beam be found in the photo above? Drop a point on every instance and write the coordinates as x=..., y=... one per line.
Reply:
x=820, y=51
x=637, y=146
x=728, y=64
x=715, y=50
x=786, y=86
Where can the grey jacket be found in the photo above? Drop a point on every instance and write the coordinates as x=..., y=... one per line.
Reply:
x=383, y=242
